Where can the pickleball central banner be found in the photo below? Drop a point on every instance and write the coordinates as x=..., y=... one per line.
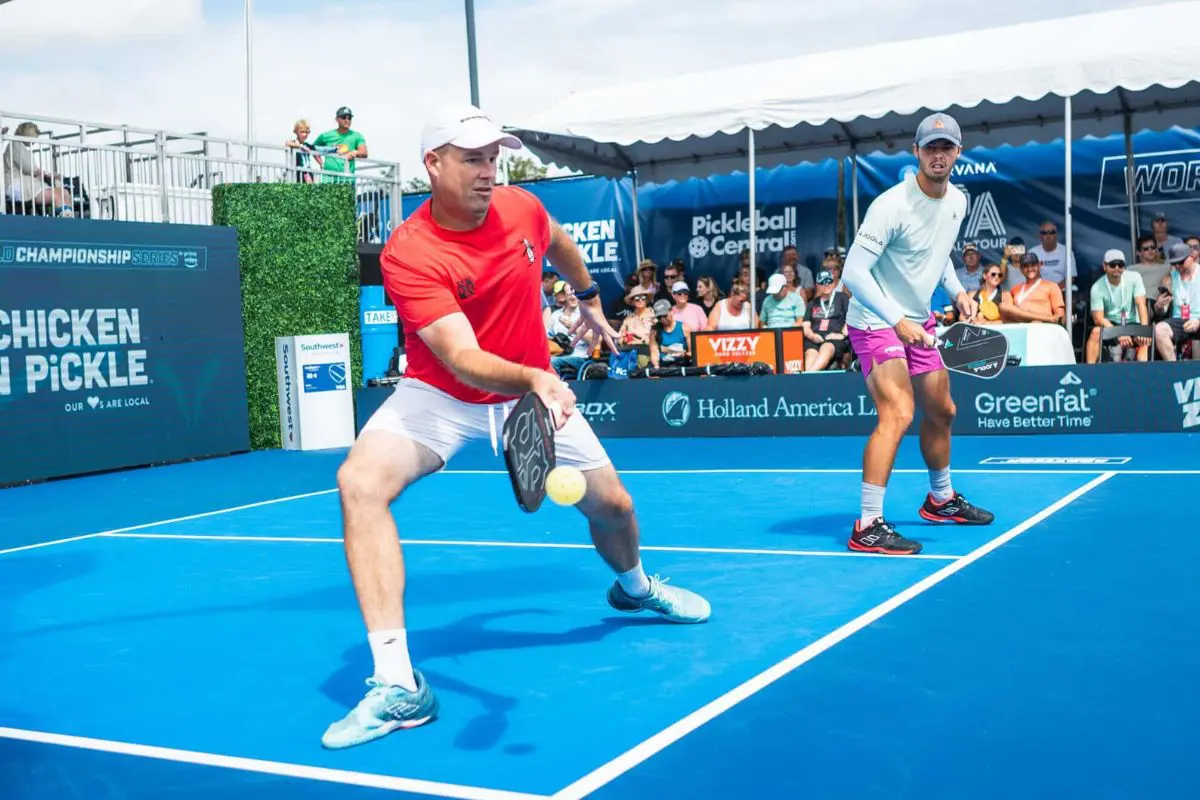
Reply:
x=120, y=345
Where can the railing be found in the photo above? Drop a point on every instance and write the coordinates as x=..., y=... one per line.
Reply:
x=119, y=172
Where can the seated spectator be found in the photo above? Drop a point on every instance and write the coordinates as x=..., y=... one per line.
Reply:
x=670, y=343
x=690, y=314
x=782, y=307
x=969, y=274
x=1163, y=239
x=1036, y=300
x=672, y=275
x=708, y=294
x=647, y=272
x=994, y=302
x=1181, y=299
x=799, y=277
x=1119, y=298
x=1057, y=264
x=561, y=322
x=1150, y=264
x=733, y=313
x=635, y=330
x=29, y=188
x=824, y=322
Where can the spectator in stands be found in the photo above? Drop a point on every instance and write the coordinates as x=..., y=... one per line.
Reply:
x=1182, y=298
x=994, y=301
x=1054, y=258
x=29, y=189
x=647, y=275
x=733, y=313
x=1151, y=264
x=1010, y=261
x=1119, y=298
x=824, y=323
x=635, y=330
x=783, y=307
x=1036, y=300
x=671, y=276
x=670, y=342
x=307, y=154
x=561, y=322
x=833, y=265
x=708, y=294
x=690, y=314
x=969, y=274
x=348, y=146
x=800, y=277
x=1162, y=236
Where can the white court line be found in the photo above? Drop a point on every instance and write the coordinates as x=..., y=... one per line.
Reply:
x=272, y=767
x=803, y=471
x=749, y=551
x=116, y=531
x=628, y=760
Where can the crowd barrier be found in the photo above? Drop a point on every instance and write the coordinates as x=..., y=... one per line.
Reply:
x=120, y=345
x=1107, y=398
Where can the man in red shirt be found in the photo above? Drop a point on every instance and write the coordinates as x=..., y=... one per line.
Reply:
x=464, y=272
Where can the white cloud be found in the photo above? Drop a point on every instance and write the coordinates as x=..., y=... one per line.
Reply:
x=390, y=66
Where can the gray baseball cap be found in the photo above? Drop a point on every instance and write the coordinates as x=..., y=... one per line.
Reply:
x=938, y=126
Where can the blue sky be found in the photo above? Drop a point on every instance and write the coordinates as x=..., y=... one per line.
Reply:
x=179, y=64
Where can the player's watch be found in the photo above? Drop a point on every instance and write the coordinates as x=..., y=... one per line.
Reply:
x=588, y=293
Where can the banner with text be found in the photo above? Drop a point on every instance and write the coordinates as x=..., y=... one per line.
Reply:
x=120, y=345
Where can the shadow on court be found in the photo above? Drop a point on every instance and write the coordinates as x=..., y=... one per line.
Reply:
x=464, y=637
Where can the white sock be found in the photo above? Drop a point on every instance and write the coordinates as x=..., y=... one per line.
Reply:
x=634, y=582
x=392, y=663
x=872, y=504
x=939, y=484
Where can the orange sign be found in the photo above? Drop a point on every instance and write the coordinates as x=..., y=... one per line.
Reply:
x=793, y=350
x=729, y=347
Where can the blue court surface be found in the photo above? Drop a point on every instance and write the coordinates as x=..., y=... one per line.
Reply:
x=189, y=631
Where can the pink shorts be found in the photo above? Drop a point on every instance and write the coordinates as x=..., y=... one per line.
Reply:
x=876, y=346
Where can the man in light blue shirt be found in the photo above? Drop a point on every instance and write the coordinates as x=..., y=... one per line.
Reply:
x=900, y=254
x=781, y=308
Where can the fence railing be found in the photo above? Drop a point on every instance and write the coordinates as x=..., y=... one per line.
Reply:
x=84, y=169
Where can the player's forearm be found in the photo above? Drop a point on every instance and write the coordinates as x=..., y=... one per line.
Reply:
x=856, y=275
x=491, y=373
x=567, y=258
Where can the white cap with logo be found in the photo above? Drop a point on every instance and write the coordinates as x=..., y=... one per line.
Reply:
x=1113, y=255
x=464, y=126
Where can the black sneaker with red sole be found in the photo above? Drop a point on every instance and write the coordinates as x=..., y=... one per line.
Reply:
x=957, y=510
x=881, y=537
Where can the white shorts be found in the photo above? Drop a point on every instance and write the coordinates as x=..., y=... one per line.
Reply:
x=442, y=423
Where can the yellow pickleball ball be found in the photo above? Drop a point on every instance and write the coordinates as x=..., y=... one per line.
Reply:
x=566, y=485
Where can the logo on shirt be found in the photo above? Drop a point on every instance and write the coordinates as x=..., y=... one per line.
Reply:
x=528, y=249
x=466, y=288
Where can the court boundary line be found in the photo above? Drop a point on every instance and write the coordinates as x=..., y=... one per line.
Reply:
x=734, y=551
x=142, y=526
x=281, y=768
x=614, y=768
x=853, y=471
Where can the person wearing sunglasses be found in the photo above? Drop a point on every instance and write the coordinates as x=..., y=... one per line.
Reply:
x=1119, y=298
x=994, y=302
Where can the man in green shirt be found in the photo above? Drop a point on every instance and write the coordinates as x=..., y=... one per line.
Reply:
x=1119, y=298
x=349, y=145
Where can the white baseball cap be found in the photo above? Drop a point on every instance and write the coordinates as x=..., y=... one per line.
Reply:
x=776, y=283
x=1113, y=255
x=464, y=126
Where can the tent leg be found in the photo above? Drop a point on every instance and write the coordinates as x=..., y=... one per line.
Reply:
x=753, y=174
x=853, y=193
x=1067, y=216
x=637, y=225
x=1131, y=187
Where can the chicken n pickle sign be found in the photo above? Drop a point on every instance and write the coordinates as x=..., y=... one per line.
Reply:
x=120, y=345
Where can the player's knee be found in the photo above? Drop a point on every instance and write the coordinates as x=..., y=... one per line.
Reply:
x=896, y=415
x=942, y=414
x=615, y=505
x=359, y=485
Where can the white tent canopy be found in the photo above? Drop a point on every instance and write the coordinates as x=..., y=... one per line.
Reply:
x=1004, y=85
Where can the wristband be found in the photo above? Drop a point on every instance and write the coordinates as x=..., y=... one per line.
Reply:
x=588, y=293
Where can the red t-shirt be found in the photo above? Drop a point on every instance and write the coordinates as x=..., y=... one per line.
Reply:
x=492, y=273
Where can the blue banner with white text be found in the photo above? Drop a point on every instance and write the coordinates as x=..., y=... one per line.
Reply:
x=120, y=345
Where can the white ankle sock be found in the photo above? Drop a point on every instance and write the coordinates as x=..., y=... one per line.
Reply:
x=392, y=663
x=872, y=504
x=634, y=582
x=939, y=484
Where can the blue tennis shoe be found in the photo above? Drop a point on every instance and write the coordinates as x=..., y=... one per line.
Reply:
x=383, y=710
x=671, y=602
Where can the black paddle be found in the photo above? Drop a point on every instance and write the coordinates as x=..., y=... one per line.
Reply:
x=975, y=350
x=529, y=450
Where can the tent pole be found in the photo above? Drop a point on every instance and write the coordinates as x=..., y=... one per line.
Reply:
x=637, y=225
x=1067, y=216
x=1131, y=187
x=853, y=193
x=753, y=170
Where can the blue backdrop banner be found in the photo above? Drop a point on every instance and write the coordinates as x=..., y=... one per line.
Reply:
x=120, y=345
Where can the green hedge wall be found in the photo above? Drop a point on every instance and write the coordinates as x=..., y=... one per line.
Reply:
x=299, y=263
